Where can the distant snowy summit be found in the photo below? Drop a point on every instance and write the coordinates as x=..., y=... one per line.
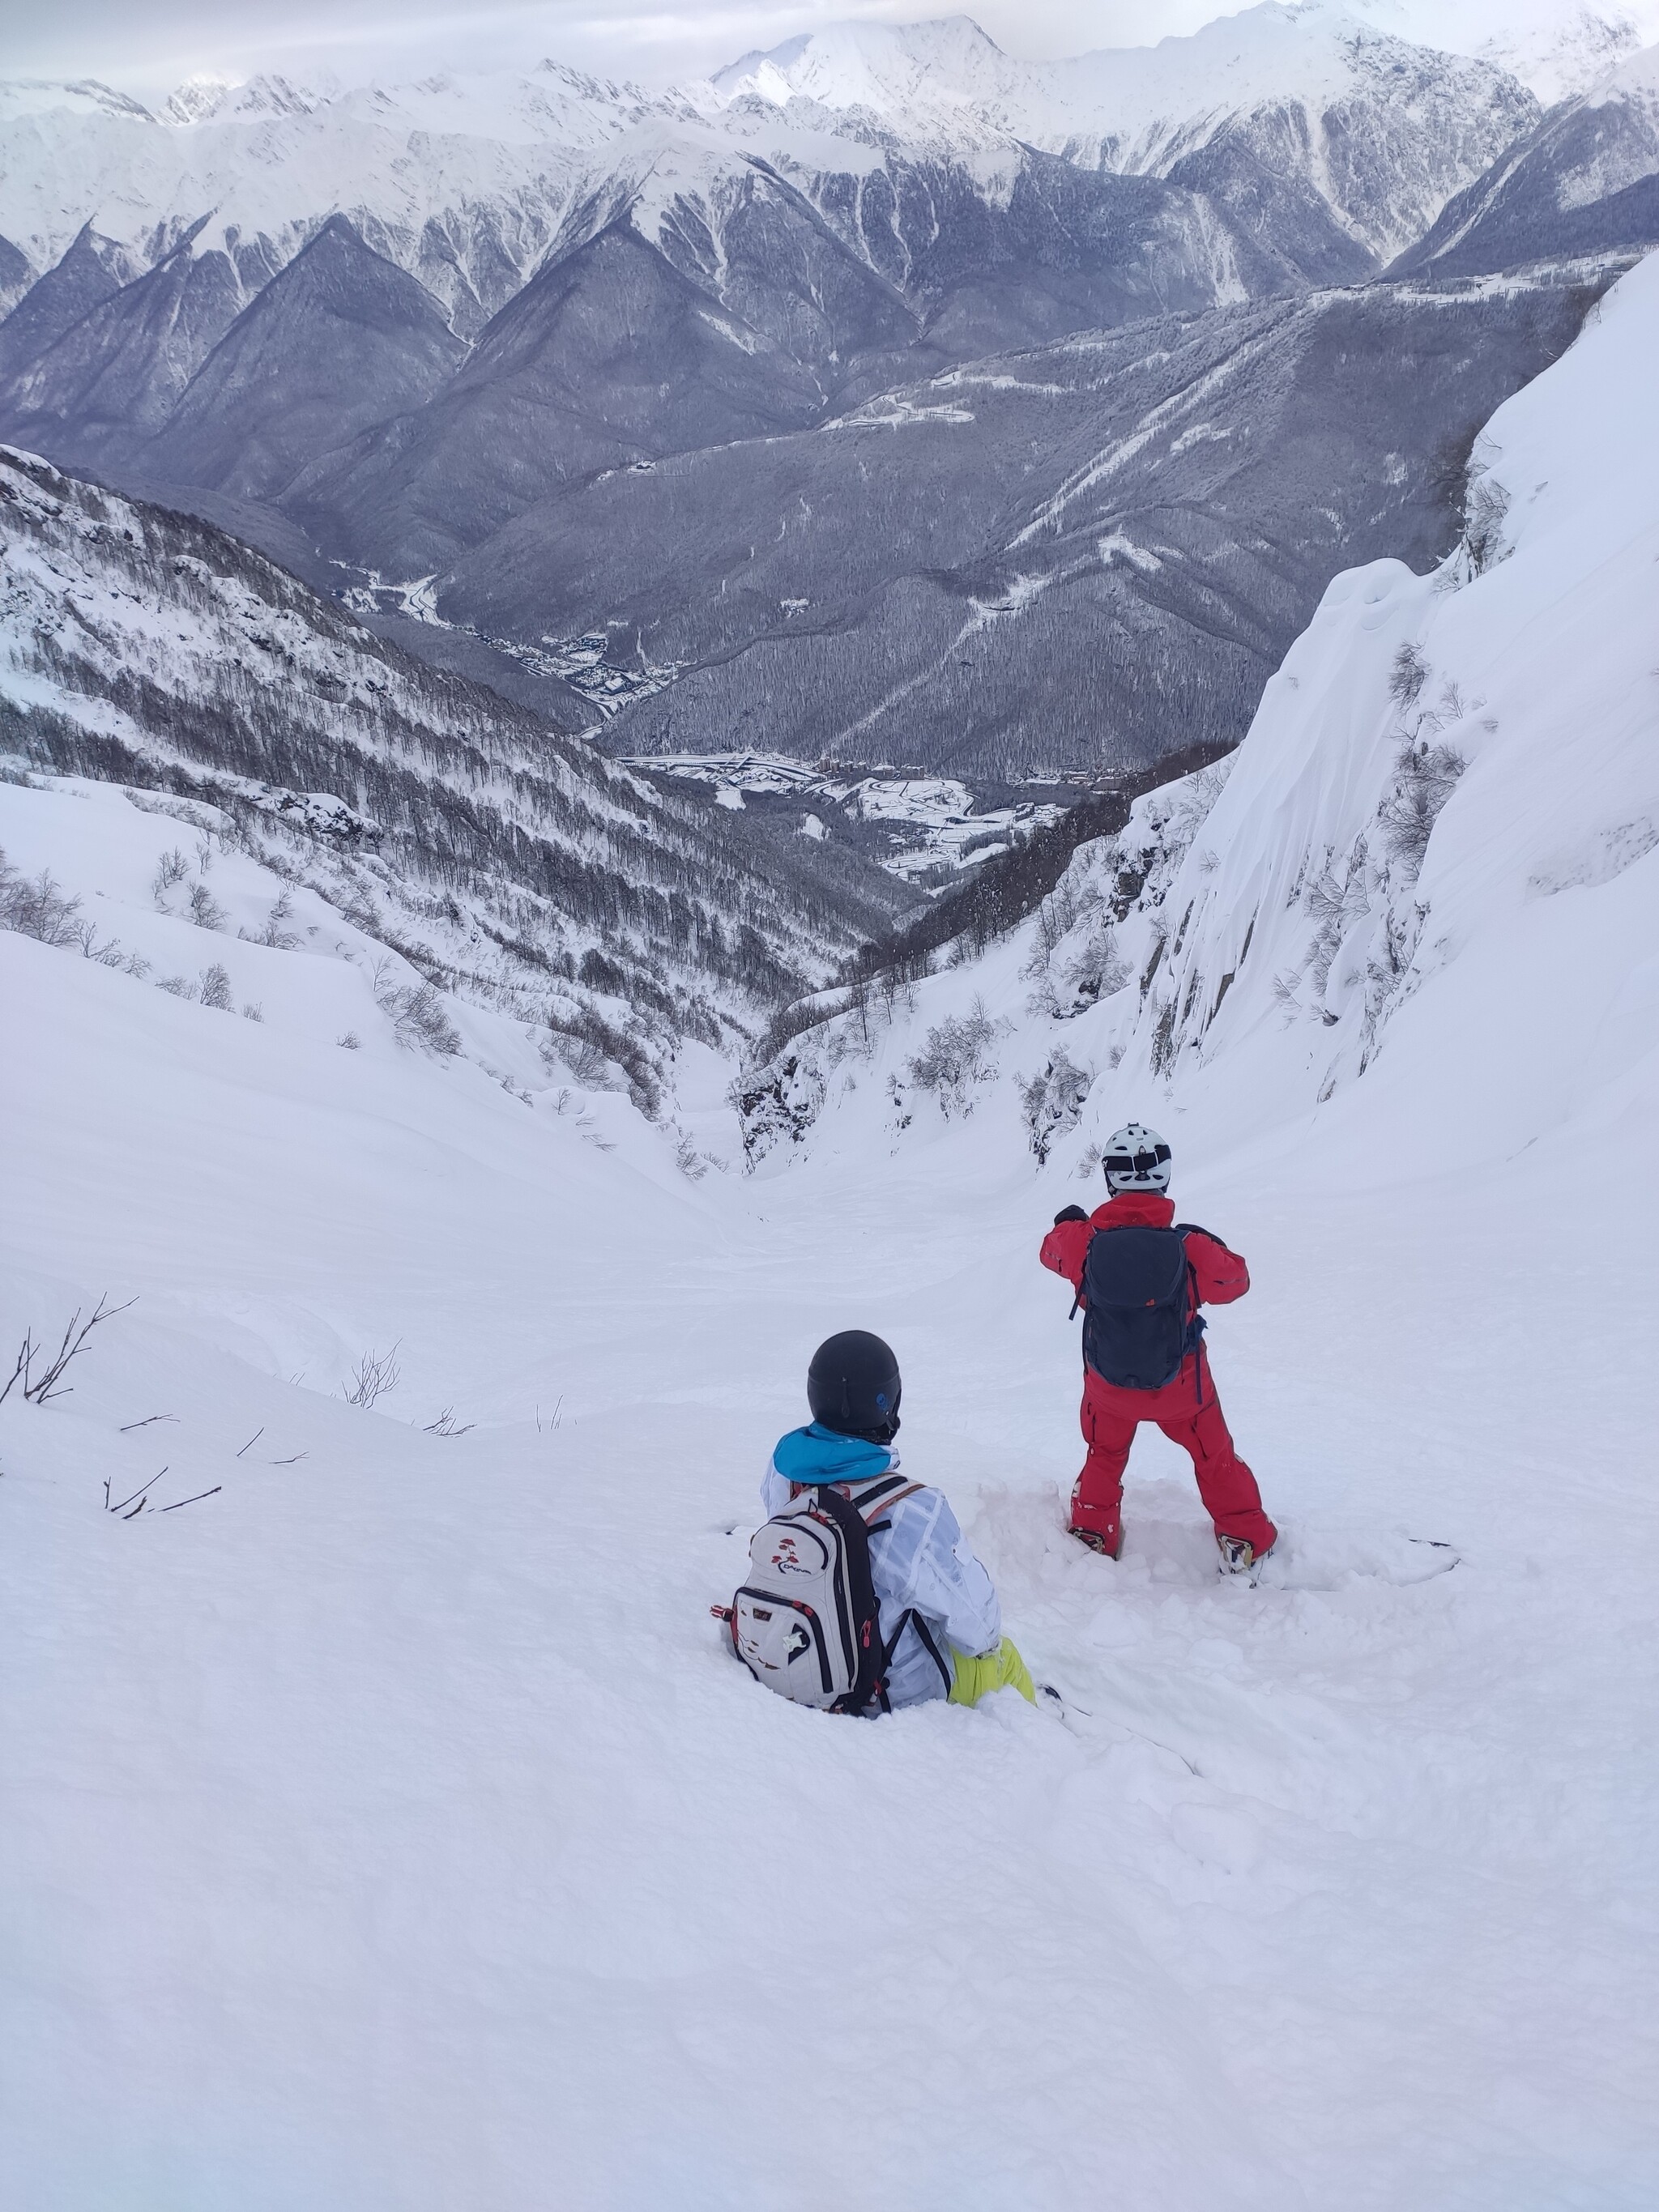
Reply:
x=898, y=71
x=1390, y=129
x=796, y=387
x=1373, y=114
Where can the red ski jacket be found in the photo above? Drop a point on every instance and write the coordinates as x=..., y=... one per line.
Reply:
x=1218, y=1276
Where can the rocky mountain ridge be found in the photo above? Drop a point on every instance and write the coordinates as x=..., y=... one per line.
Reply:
x=817, y=411
x=465, y=181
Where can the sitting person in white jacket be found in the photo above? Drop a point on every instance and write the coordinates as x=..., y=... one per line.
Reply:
x=938, y=1610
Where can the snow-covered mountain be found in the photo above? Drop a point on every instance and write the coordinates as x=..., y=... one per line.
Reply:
x=501, y=862
x=1585, y=181
x=972, y=574
x=384, y=1820
x=462, y=181
x=1558, y=48
x=1370, y=128
x=1418, y=900
x=1090, y=553
x=465, y=180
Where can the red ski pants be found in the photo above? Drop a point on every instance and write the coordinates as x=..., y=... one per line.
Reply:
x=1189, y=1414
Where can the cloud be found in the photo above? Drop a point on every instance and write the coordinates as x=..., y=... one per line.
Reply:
x=148, y=49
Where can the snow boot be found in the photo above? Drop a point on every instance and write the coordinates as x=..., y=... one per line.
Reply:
x=1237, y=1557
x=1109, y=1545
x=1099, y=1527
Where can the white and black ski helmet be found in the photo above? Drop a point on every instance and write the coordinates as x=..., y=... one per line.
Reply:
x=853, y=1386
x=1136, y=1159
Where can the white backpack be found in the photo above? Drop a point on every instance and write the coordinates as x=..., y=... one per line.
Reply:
x=807, y=1622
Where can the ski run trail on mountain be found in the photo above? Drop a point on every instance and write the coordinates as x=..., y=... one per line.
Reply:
x=387, y=1829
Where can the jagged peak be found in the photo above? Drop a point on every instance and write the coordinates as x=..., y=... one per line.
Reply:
x=24, y=95
x=884, y=68
x=197, y=98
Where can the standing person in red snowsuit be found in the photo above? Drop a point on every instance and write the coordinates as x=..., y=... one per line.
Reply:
x=1141, y=1291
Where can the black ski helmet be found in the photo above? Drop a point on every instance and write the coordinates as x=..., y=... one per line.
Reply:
x=853, y=1386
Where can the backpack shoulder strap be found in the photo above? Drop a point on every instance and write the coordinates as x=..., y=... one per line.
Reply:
x=882, y=1490
x=889, y=1498
x=1196, y=1324
x=1082, y=1275
x=912, y=1619
x=836, y=1507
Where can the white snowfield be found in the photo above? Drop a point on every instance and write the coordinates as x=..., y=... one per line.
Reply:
x=386, y=1830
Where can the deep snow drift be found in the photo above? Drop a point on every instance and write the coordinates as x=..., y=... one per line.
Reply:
x=387, y=1829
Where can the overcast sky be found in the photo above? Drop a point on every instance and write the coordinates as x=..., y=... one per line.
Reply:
x=157, y=42
x=146, y=47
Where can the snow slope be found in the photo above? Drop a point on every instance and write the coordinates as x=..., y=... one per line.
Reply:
x=389, y=1829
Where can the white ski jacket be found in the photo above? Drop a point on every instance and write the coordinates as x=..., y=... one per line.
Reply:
x=920, y=1564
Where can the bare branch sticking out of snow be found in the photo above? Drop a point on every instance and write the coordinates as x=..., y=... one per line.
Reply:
x=215, y=990
x=42, y=1390
x=376, y=1375
x=37, y=907
x=415, y=1011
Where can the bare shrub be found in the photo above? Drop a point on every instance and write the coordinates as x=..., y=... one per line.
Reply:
x=421, y=1019
x=105, y=951
x=955, y=1059
x=274, y=933
x=1484, y=507
x=180, y=986
x=40, y=1389
x=1409, y=673
x=1424, y=777
x=447, y=1425
x=216, y=990
x=1050, y=1103
x=252, y=1010
x=172, y=868
x=37, y=907
x=375, y=1376
x=579, y=1056
x=415, y=1011
x=350, y=1041
x=205, y=910
x=613, y=1045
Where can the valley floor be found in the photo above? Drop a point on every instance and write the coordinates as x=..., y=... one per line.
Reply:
x=389, y=1830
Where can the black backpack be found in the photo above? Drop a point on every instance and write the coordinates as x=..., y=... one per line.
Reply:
x=1136, y=1329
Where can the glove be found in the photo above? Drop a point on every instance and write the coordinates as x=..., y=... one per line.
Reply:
x=1070, y=1213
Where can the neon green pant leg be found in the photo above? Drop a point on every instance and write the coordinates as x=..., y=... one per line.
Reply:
x=1000, y=1669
